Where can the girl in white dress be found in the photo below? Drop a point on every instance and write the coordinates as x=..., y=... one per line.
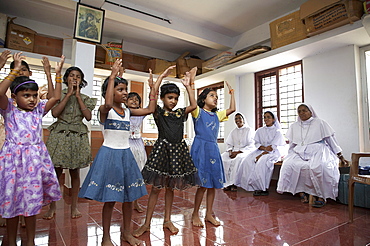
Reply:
x=239, y=144
x=136, y=141
x=311, y=166
x=257, y=168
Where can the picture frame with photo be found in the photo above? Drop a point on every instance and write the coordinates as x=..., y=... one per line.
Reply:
x=89, y=23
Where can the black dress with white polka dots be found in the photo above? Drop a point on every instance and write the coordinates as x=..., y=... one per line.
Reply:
x=169, y=164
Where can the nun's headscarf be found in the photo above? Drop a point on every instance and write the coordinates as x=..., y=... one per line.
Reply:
x=244, y=119
x=276, y=123
x=314, y=115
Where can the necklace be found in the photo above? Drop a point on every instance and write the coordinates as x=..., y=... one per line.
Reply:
x=303, y=139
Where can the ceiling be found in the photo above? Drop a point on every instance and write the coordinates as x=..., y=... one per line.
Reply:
x=196, y=25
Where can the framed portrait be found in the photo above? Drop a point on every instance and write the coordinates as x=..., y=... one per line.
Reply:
x=89, y=23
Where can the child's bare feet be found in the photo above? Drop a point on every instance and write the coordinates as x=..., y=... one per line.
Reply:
x=75, y=213
x=212, y=220
x=141, y=230
x=138, y=207
x=128, y=237
x=106, y=242
x=22, y=221
x=196, y=221
x=50, y=213
x=2, y=222
x=169, y=225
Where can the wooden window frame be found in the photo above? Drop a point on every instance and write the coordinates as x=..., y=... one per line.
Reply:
x=259, y=109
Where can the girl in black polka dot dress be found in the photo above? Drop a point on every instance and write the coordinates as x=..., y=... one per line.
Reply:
x=169, y=164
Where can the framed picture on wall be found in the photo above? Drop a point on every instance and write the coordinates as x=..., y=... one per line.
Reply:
x=89, y=23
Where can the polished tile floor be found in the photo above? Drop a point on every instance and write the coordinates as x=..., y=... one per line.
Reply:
x=245, y=220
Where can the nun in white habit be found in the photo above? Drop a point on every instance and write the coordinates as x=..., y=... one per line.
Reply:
x=239, y=144
x=311, y=166
x=256, y=169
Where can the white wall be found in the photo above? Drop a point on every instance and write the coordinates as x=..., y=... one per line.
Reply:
x=330, y=86
x=330, y=80
x=67, y=35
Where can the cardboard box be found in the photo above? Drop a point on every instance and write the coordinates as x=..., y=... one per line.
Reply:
x=193, y=62
x=19, y=37
x=3, y=23
x=323, y=15
x=47, y=45
x=287, y=30
x=218, y=60
x=159, y=65
x=134, y=62
x=99, y=54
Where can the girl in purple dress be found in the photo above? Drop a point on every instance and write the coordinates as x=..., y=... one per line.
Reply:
x=27, y=177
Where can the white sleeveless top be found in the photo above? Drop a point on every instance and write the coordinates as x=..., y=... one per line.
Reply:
x=116, y=130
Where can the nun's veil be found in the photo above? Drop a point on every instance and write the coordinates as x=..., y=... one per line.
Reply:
x=276, y=123
x=314, y=115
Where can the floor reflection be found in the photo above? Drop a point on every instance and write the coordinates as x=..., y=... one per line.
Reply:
x=245, y=220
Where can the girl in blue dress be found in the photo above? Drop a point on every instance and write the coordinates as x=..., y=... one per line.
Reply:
x=114, y=175
x=205, y=151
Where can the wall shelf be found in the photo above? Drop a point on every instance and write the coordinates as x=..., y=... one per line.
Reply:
x=351, y=34
x=35, y=59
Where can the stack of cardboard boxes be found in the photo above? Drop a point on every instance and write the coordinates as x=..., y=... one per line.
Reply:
x=314, y=17
x=22, y=38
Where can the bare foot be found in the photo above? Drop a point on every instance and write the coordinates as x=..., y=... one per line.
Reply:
x=49, y=214
x=128, y=237
x=2, y=222
x=22, y=221
x=196, y=221
x=141, y=230
x=138, y=207
x=106, y=242
x=169, y=225
x=75, y=213
x=212, y=220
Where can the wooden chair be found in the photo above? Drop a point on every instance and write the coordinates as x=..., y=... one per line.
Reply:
x=355, y=177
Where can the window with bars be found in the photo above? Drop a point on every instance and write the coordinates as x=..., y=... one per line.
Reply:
x=279, y=90
x=149, y=125
x=96, y=93
x=219, y=88
x=39, y=76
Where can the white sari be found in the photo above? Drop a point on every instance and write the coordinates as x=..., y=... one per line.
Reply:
x=311, y=165
x=239, y=139
x=256, y=175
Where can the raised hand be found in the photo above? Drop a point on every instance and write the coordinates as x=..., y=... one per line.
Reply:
x=46, y=64
x=167, y=71
x=58, y=68
x=186, y=80
x=121, y=71
x=231, y=90
x=17, y=57
x=150, y=80
x=193, y=72
x=116, y=67
x=4, y=57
